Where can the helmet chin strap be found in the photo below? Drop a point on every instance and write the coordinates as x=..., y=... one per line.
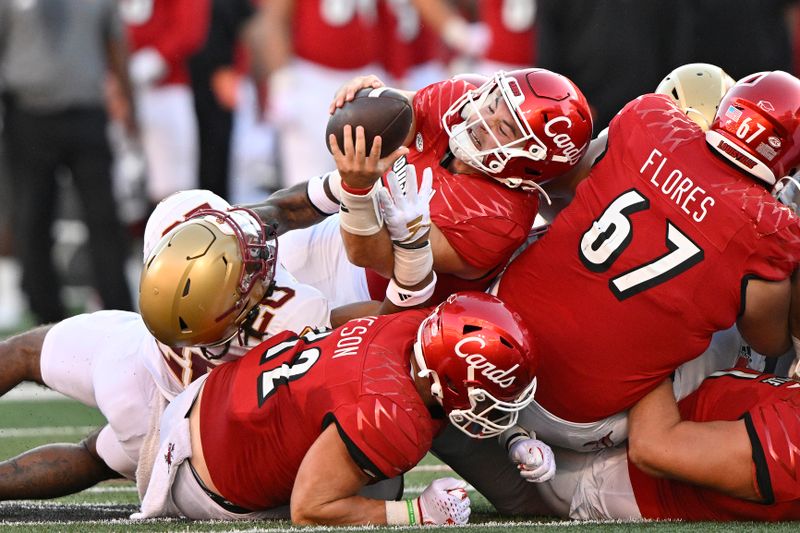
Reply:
x=423, y=371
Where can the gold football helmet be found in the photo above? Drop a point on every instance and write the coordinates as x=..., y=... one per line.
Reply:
x=205, y=276
x=697, y=88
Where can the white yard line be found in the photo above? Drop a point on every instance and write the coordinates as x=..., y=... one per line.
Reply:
x=103, y=490
x=432, y=468
x=31, y=391
x=55, y=431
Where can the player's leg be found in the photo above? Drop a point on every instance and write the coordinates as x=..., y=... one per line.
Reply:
x=603, y=489
x=20, y=358
x=169, y=138
x=53, y=470
x=90, y=163
x=34, y=152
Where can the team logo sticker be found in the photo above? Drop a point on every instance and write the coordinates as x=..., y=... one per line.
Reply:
x=168, y=457
x=774, y=141
x=766, y=151
x=418, y=142
x=766, y=106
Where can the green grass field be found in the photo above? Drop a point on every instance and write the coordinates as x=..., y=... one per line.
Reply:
x=26, y=424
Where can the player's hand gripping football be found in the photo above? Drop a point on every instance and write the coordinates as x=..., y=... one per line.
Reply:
x=407, y=214
x=359, y=169
x=534, y=459
x=348, y=91
x=445, y=501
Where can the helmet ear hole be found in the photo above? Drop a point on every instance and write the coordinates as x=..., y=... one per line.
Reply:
x=183, y=326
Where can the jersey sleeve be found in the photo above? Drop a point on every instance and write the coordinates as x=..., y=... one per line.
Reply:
x=778, y=252
x=774, y=430
x=431, y=102
x=486, y=242
x=384, y=439
x=294, y=305
x=482, y=220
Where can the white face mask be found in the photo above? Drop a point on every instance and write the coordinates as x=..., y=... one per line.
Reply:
x=487, y=129
x=787, y=192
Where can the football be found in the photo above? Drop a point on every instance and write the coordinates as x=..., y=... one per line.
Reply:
x=381, y=111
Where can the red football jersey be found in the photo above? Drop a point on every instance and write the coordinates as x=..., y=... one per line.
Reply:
x=648, y=260
x=482, y=219
x=176, y=28
x=262, y=413
x=511, y=23
x=406, y=41
x=339, y=35
x=770, y=406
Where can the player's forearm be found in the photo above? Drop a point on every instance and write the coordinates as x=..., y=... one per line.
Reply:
x=716, y=455
x=289, y=209
x=370, y=251
x=343, y=313
x=51, y=471
x=275, y=19
x=354, y=510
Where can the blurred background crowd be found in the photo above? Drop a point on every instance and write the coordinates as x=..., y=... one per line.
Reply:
x=109, y=106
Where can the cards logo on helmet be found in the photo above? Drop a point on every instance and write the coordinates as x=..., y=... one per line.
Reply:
x=570, y=152
x=478, y=362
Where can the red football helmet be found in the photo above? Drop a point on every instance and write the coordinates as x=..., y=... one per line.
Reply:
x=756, y=125
x=480, y=360
x=522, y=127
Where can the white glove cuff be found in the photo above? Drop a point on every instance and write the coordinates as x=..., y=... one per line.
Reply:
x=411, y=266
x=402, y=513
x=513, y=435
x=407, y=298
x=360, y=214
x=317, y=195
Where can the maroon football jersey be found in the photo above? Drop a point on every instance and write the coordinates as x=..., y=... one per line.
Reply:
x=262, y=413
x=648, y=260
x=482, y=219
x=338, y=35
x=770, y=407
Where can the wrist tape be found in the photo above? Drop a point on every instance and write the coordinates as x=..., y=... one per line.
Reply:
x=513, y=435
x=411, y=266
x=360, y=214
x=317, y=195
x=403, y=513
x=406, y=297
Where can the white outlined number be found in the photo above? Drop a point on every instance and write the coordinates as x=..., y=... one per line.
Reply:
x=270, y=380
x=611, y=234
